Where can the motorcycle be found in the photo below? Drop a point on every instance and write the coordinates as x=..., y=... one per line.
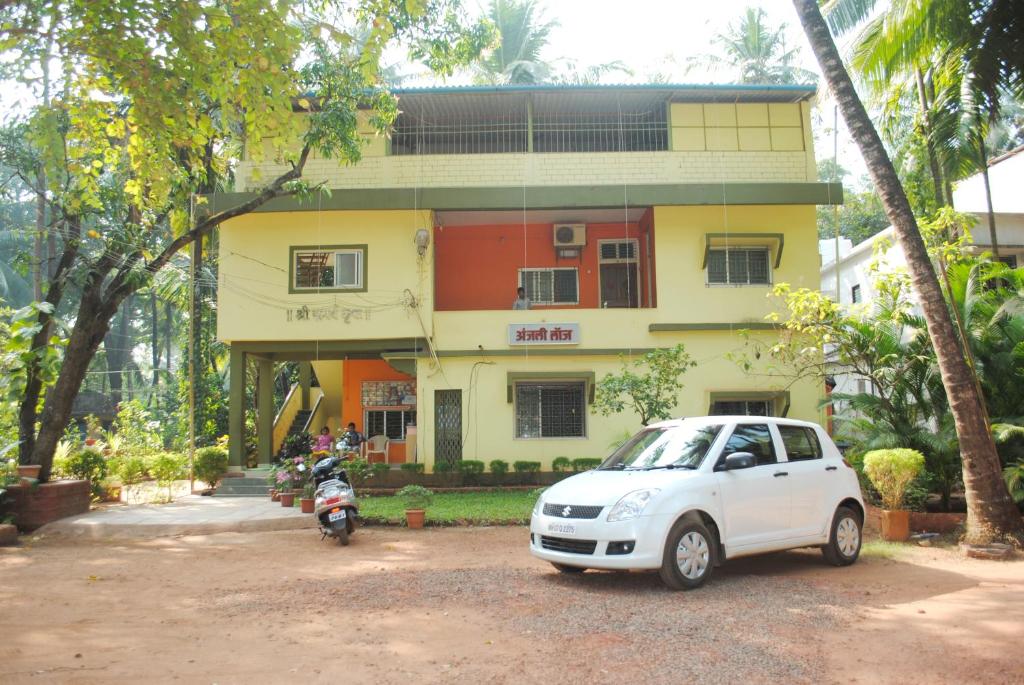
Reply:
x=334, y=504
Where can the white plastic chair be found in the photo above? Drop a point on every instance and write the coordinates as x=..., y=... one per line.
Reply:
x=378, y=444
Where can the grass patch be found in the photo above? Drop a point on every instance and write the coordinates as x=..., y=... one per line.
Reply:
x=882, y=549
x=491, y=507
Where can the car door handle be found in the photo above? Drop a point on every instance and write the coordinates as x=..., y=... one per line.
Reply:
x=831, y=468
x=781, y=473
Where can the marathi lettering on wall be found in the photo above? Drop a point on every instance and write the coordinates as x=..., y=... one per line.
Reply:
x=327, y=313
x=543, y=334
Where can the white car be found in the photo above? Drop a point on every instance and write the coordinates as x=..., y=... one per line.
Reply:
x=683, y=496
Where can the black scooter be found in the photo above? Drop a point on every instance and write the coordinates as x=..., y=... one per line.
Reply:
x=335, y=504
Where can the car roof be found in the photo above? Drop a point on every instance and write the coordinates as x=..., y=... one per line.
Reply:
x=722, y=419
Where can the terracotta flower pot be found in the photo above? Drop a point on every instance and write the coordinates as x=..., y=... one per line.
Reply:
x=307, y=505
x=287, y=499
x=274, y=495
x=29, y=470
x=414, y=518
x=895, y=525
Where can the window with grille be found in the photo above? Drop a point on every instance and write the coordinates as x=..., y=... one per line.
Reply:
x=738, y=266
x=617, y=131
x=617, y=250
x=389, y=422
x=550, y=286
x=338, y=268
x=855, y=295
x=742, y=408
x=550, y=410
x=452, y=133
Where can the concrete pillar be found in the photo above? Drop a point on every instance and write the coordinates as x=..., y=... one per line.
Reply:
x=305, y=376
x=236, y=410
x=265, y=413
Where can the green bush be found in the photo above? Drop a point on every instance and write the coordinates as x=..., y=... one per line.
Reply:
x=891, y=472
x=210, y=465
x=415, y=496
x=379, y=469
x=412, y=467
x=526, y=466
x=499, y=467
x=443, y=467
x=561, y=464
x=131, y=470
x=357, y=470
x=471, y=466
x=167, y=467
x=87, y=465
x=585, y=464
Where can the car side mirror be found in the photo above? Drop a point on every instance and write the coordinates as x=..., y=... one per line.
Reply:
x=739, y=460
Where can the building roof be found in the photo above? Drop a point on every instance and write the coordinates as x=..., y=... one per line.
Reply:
x=674, y=92
x=1006, y=176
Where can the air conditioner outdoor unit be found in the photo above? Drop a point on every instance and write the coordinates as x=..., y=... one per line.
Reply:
x=570, y=235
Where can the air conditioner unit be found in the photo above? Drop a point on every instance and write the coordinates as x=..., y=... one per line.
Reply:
x=570, y=235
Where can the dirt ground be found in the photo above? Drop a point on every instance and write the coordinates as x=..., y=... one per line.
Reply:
x=472, y=606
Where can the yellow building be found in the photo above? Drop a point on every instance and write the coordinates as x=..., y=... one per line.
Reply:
x=634, y=217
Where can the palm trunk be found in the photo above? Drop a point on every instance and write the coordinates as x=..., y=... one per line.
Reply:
x=990, y=211
x=991, y=513
x=933, y=160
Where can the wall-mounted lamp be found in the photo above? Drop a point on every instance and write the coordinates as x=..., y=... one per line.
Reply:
x=422, y=241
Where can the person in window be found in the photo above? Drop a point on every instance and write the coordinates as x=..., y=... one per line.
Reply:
x=521, y=301
x=351, y=439
x=324, y=441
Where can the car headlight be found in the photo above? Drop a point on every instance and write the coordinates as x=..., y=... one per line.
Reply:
x=632, y=505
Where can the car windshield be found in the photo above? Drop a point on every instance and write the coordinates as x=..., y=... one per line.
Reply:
x=670, y=447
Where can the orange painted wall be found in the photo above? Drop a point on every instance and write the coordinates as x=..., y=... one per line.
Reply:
x=477, y=267
x=354, y=372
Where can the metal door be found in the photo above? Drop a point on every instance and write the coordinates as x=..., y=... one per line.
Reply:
x=447, y=426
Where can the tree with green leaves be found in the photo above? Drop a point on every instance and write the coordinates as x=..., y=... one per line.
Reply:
x=648, y=385
x=991, y=513
x=516, y=57
x=154, y=100
x=752, y=51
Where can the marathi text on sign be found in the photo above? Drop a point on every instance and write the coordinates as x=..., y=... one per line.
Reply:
x=544, y=334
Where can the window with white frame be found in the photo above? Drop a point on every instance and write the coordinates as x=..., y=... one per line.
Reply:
x=389, y=422
x=619, y=283
x=739, y=266
x=551, y=410
x=332, y=268
x=551, y=286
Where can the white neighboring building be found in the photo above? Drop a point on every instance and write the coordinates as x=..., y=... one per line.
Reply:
x=1006, y=176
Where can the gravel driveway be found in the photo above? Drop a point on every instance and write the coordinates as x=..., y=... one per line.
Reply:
x=471, y=606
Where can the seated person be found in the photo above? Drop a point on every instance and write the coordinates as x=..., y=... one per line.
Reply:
x=324, y=442
x=352, y=438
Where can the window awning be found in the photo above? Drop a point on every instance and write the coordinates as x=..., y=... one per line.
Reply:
x=512, y=377
x=773, y=241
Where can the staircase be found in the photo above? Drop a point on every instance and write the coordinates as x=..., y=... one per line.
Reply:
x=299, y=423
x=253, y=484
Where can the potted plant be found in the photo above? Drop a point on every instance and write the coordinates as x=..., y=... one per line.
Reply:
x=416, y=498
x=891, y=472
x=307, y=501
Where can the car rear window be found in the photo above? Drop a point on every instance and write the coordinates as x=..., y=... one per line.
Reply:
x=801, y=443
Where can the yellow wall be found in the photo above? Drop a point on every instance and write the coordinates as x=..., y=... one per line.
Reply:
x=489, y=419
x=254, y=303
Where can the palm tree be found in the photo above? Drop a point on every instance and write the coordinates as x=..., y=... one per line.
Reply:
x=991, y=513
x=754, y=52
x=523, y=35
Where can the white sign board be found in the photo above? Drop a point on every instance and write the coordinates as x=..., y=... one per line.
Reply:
x=543, y=334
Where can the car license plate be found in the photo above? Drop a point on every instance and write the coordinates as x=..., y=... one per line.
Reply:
x=337, y=516
x=561, y=528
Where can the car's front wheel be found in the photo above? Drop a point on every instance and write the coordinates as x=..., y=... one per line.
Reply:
x=689, y=557
x=843, y=546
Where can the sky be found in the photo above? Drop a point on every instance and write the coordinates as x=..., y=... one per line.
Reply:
x=650, y=37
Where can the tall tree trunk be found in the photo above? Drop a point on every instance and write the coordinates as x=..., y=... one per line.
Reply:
x=991, y=513
x=91, y=325
x=990, y=211
x=117, y=343
x=933, y=160
x=154, y=338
